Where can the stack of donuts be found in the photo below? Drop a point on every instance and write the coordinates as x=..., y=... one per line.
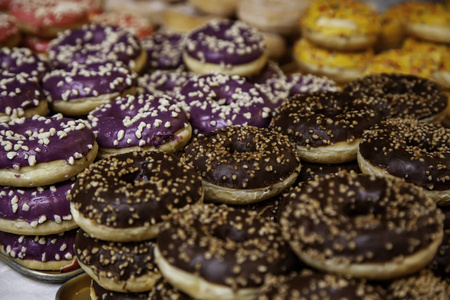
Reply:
x=195, y=168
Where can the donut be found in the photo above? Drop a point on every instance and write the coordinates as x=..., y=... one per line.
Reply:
x=47, y=18
x=401, y=96
x=125, y=197
x=39, y=252
x=216, y=7
x=311, y=285
x=141, y=27
x=392, y=27
x=140, y=123
x=36, y=44
x=116, y=266
x=405, y=148
x=423, y=285
x=325, y=127
x=20, y=96
x=9, y=32
x=298, y=83
x=342, y=25
x=93, y=7
x=243, y=164
x=341, y=67
x=225, y=46
x=4, y=5
x=276, y=45
x=217, y=100
x=36, y=211
x=310, y=171
x=97, y=292
x=275, y=16
x=433, y=51
x=429, y=21
x=362, y=226
x=164, y=82
x=44, y=150
x=184, y=18
x=97, y=43
x=218, y=252
x=23, y=60
x=440, y=265
x=77, y=90
x=163, y=290
x=151, y=10
x=442, y=74
x=164, y=50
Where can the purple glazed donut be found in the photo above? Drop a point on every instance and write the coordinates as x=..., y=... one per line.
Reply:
x=36, y=211
x=309, y=83
x=225, y=46
x=46, y=252
x=164, y=82
x=96, y=42
x=44, y=150
x=217, y=100
x=164, y=50
x=144, y=122
x=23, y=60
x=20, y=96
x=80, y=89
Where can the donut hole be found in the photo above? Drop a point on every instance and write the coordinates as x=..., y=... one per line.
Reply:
x=135, y=175
x=226, y=232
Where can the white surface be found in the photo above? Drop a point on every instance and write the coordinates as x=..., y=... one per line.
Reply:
x=14, y=286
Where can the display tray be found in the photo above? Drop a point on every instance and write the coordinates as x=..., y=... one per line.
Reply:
x=45, y=276
x=76, y=288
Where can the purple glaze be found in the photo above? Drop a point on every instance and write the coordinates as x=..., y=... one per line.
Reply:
x=216, y=101
x=94, y=43
x=53, y=247
x=164, y=50
x=309, y=83
x=23, y=60
x=225, y=42
x=272, y=81
x=25, y=142
x=33, y=204
x=19, y=92
x=90, y=80
x=163, y=82
x=142, y=121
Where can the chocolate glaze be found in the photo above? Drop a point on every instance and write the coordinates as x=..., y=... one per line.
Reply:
x=150, y=184
x=242, y=157
x=226, y=246
x=137, y=121
x=25, y=142
x=400, y=96
x=164, y=50
x=36, y=205
x=312, y=285
x=357, y=218
x=23, y=60
x=440, y=264
x=93, y=43
x=417, y=152
x=310, y=171
x=164, y=82
x=422, y=285
x=88, y=81
x=44, y=248
x=216, y=100
x=104, y=294
x=163, y=290
x=117, y=261
x=323, y=118
x=19, y=92
x=226, y=42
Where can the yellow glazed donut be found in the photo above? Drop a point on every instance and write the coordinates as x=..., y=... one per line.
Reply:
x=392, y=30
x=429, y=21
x=340, y=66
x=340, y=24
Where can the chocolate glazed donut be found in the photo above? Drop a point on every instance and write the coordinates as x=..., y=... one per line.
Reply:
x=363, y=226
x=120, y=267
x=243, y=164
x=218, y=252
x=417, y=152
x=124, y=198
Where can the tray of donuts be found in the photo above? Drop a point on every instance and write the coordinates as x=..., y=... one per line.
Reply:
x=269, y=191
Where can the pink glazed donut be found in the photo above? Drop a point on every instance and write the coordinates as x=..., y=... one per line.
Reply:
x=36, y=211
x=44, y=150
x=217, y=100
x=20, y=96
x=144, y=122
